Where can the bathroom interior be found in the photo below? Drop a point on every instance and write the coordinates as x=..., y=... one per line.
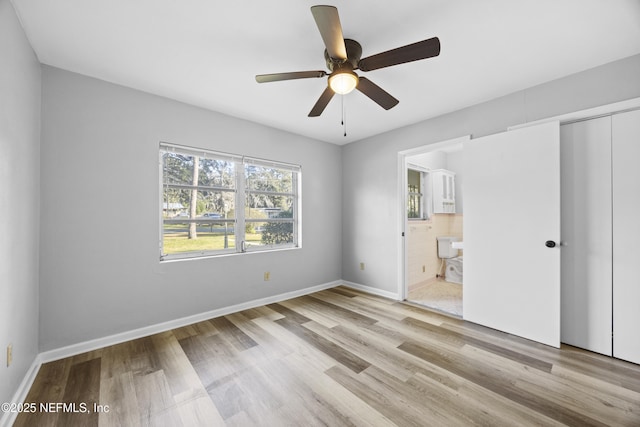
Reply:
x=435, y=235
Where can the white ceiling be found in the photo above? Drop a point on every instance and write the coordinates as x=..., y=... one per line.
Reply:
x=207, y=52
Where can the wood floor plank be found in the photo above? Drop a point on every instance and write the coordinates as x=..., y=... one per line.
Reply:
x=343, y=314
x=83, y=392
x=341, y=355
x=119, y=394
x=337, y=357
x=297, y=394
x=137, y=356
x=366, y=348
x=289, y=313
x=334, y=394
x=464, y=369
x=314, y=358
x=155, y=401
x=232, y=333
x=203, y=328
x=585, y=381
x=486, y=345
x=213, y=358
x=48, y=386
x=199, y=412
x=262, y=311
x=608, y=408
x=310, y=312
x=183, y=381
x=375, y=394
x=483, y=406
x=343, y=291
x=352, y=304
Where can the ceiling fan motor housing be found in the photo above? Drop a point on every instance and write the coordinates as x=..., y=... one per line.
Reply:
x=354, y=52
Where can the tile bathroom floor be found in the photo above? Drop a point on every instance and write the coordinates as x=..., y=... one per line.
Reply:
x=438, y=294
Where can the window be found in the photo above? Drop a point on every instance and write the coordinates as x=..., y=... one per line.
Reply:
x=415, y=194
x=217, y=203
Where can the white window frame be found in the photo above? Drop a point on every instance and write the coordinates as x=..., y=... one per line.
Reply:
x=240, y=190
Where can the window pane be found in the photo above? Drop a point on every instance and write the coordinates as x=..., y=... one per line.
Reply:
x=269, y=196
x=208, y=204
x=216, y=173
x=207, y=231
x=265, y=206
x=270, y=179
x=178, y=170
x=413, y=179
x=269, y=233
x=414, y=194
x=209, y=237
x=413, y=206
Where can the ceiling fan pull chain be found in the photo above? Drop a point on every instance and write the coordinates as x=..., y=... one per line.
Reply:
x=344, y=117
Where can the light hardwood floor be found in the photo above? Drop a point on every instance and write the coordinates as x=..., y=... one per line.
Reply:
x=337, y=357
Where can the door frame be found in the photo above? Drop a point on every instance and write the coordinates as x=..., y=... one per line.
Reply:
x=403, y=223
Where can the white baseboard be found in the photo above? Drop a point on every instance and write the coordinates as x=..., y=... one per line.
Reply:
x=74, y=349
x=8, y=418
x=370, y=290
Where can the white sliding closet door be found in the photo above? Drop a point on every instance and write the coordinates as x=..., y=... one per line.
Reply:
x=626, y=236
x=512, y=209
x=585, y=162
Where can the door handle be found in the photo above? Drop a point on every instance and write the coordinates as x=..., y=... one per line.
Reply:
x=550, y=244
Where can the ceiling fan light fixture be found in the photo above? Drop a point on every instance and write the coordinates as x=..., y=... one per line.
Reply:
x=343, y=81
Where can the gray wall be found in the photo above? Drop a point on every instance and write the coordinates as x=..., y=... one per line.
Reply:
x=99, y=272
x=19, y=200
x=370, y=167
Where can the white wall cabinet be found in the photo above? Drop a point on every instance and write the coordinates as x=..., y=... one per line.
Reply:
x=600, y=288
x=444, y=191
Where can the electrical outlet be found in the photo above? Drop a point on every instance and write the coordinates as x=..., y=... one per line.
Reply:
x=267, y=276
x=9, y=354
x=362, y=266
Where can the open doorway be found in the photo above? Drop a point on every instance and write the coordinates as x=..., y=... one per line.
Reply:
x=432, y=213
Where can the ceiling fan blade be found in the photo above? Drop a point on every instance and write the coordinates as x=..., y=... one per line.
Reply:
x=376, y=93
x=266, y=78
x=411, y=52
x=328, y=23
x=322, y=102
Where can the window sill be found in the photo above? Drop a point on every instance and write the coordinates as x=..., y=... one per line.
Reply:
x=178, y=258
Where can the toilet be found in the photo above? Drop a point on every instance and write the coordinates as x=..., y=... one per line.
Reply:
x=454, y=270
x=453, y=262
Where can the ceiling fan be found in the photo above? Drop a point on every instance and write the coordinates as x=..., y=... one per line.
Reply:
x=343, y=57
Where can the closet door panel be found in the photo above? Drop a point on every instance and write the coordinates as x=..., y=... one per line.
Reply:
x=626, y=236
x=586, y=268
x=511, y=227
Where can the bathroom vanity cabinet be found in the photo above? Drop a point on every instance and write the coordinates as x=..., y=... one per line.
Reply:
x=444, y=191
